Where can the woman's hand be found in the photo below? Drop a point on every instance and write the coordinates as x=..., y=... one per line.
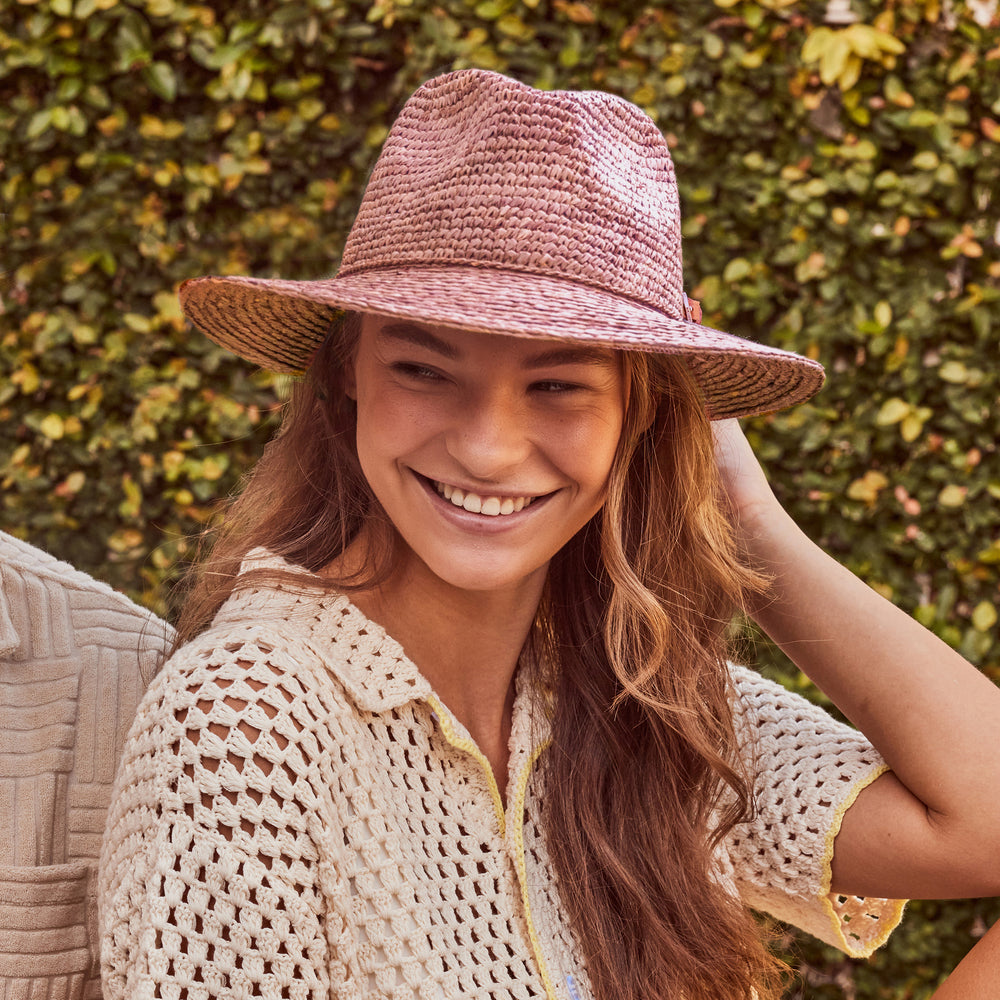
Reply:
x=743, y=480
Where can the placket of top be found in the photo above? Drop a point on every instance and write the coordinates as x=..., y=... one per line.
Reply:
x=517, y=802
x=520, y=790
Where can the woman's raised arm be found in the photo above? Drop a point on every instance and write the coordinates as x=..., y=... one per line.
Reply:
x=931, y=827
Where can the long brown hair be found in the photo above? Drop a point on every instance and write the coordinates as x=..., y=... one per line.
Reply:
x=645, y=774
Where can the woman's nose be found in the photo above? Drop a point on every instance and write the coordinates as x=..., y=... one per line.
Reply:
x=490, y=436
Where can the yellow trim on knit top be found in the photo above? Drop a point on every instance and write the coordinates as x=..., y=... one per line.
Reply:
x=469, y=746
x=890, y=920
x=522, y=868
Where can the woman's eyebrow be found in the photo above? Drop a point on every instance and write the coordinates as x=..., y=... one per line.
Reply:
x=407, y=333
x=559, y=354
x=571, y=356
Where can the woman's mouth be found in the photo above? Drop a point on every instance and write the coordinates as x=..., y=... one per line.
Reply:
x=481, y=503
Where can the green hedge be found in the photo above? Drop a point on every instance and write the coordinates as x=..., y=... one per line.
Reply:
x=839, y=185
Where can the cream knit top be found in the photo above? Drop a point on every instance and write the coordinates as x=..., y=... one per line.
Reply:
x=299, y=816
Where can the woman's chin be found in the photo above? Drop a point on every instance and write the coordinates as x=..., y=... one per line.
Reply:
x=480, y=577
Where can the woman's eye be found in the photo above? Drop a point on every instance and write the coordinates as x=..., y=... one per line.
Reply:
x=556, y=387
x=412, y=370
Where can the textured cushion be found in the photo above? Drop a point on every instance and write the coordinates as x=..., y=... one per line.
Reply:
x=75, y=659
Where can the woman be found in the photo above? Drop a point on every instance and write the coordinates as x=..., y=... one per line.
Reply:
x=454, y=717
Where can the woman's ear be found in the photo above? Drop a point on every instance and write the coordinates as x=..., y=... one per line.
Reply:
x=350, y=380
x=350, y=343
x=637, y=374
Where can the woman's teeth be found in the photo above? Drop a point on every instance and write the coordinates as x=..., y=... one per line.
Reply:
x=476, y=504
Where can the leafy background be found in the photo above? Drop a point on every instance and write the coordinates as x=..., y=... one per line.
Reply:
x=839, y=183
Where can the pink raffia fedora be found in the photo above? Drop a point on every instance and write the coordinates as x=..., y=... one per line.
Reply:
x=499, y=208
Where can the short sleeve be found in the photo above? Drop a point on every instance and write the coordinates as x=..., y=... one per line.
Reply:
x=208, y=884
x=808, y=770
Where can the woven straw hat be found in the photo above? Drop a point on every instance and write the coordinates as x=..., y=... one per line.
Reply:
x=499, y=208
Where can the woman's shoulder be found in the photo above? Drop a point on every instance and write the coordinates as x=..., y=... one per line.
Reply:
x=762, y=702
x=275, y=619
x=242, y=663
x=243, y=701
x=284, y=639
x=257, y=660
x=225, y=688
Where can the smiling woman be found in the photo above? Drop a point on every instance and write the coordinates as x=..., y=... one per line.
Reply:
x=451, y=713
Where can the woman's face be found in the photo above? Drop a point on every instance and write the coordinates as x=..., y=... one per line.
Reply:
x=487, y=452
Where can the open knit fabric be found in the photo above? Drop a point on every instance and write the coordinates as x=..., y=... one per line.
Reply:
x=75, y=659
x=299, y=816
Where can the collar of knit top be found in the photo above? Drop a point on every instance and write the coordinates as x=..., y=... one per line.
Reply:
x=372, y=666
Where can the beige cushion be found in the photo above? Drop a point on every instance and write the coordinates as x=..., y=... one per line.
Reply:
x=75, y=658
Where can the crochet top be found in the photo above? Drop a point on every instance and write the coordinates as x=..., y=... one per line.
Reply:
x=298, y=815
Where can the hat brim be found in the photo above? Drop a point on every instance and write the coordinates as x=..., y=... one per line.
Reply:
x=280, y=324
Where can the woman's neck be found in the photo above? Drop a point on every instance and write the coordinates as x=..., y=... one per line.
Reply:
x=466, y=643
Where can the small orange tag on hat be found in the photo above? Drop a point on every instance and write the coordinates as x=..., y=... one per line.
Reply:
x=692, y=309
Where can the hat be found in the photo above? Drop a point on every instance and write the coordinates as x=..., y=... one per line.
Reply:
x=499, y=208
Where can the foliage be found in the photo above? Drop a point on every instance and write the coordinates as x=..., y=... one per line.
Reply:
x=839, y=186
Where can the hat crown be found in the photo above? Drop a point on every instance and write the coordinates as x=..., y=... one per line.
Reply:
x=482, y=170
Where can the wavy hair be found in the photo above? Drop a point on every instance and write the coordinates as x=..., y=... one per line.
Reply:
x=646, y=773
